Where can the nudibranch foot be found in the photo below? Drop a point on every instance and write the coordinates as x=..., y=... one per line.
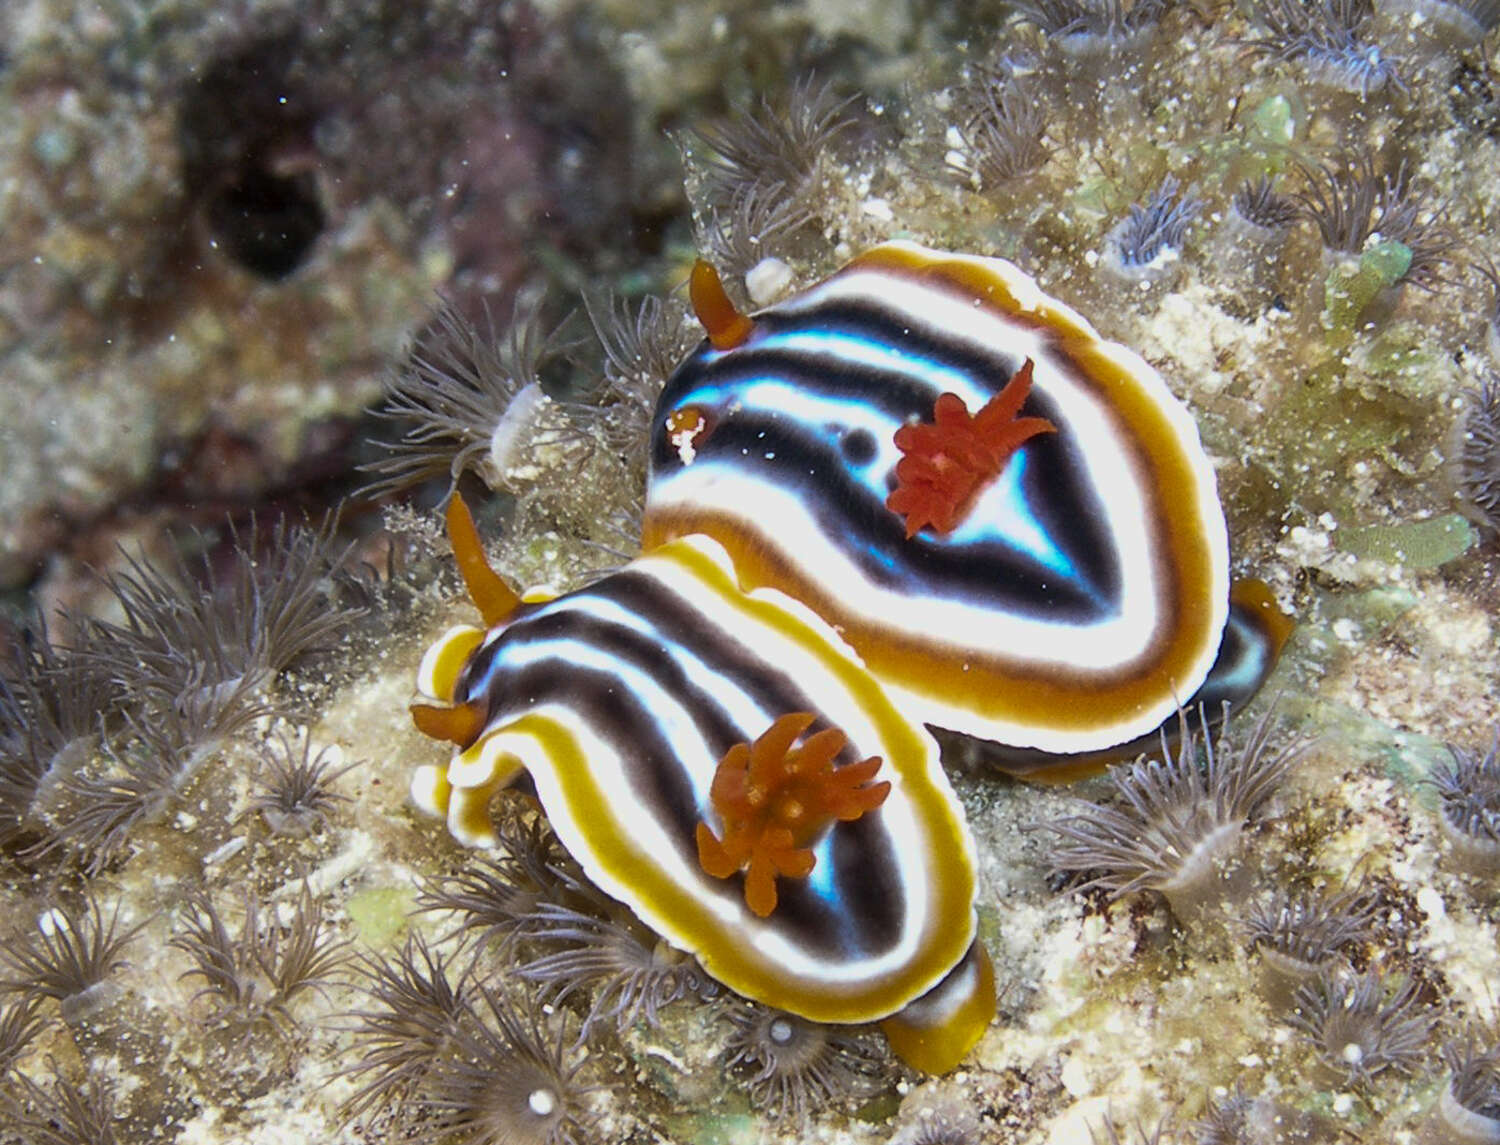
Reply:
x=1252, y=643
x=774, y=799
x=934, y=1033
x=947, y=461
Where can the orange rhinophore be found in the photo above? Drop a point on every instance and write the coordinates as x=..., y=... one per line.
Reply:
x=948, y=460
x=460, y=724
x=726, y=327
x=446, y=720
x=774, y=799
x=491, y=595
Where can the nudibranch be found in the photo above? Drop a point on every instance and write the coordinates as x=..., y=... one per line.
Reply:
x=1011, y=520
x=719, y=761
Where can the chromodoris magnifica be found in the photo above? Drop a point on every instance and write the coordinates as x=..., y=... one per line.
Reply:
x=921, y=492
x=1082, y=596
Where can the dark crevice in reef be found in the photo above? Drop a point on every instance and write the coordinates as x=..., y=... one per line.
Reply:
x=245, y=131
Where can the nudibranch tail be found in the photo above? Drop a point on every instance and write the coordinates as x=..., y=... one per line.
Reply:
x=774, y=799
x=726, y=327
x=935, y=1032
x=1255, y=599
x=491, y=595
x=948, y=460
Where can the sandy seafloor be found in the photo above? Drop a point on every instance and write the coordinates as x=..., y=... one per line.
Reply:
x=1334, y=438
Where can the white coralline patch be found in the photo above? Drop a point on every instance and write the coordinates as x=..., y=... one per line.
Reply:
x=767, y=280
x=1195, y=340
x=513, y=434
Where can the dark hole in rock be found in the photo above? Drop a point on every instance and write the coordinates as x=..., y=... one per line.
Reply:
x=245, y=130
x=266, y=222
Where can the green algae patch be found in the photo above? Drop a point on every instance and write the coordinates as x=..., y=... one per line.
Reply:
x=1406, y=757
x=715, y=1129
x=1273, y=125
x=1374, y=611
x=880, y=1108
x=1350, y=290
x=380, y=913
x=1418, y=545
x=1326, y=417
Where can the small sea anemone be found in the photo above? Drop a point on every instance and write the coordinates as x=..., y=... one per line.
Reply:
x=760, y=176
x=251, y=609
x=20, y=1021
x=1360, y=1027
x=1329, y=37
x=1141, y=246
x=1004, y=126
x=642, y=346
x=62, y=1113
x=468, y=399
x=56, y=710
x=200, y=645
x=630, y=973
x=741, y=235
x=1260, y=206
x=68, y=957
x=501, y=1081
x=1143, y=1136
x=1479, y=454
x=795, y=1067
x=1468, y=1112
x=1299, y=936
x=1466, y=22
x=1244, y=253
x=495, y=895
x=563, y=934
x=769, y=146
x=1468, y=786
x=294, y=791
x=1352, y=203
x=1085, y=27
x=201, y=639
x=417, y=1012
x=1240, y=1120
x=133, y=782
x=1179, y=824
x=933, y=1114
x=255, y=975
